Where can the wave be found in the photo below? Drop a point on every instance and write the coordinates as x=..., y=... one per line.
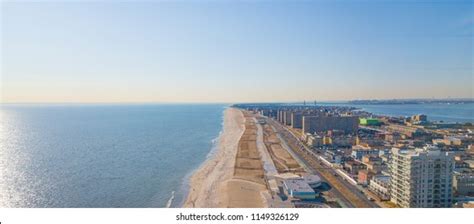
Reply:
x=185, y=187
x=170, y=201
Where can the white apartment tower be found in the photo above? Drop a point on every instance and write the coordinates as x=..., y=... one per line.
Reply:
x=421, y=178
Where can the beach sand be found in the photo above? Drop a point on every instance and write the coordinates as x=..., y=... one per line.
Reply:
x=206, y=184
x=233, y=177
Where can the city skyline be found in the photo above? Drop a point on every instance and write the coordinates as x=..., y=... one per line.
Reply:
x=235, y=52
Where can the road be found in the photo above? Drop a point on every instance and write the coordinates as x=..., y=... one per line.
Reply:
x=349, y=194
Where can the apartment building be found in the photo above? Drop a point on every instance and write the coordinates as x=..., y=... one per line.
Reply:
x=421, y=178
x=380, y=185
x=313, y=124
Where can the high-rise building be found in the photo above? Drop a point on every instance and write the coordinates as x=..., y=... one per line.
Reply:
x=313, y=124
x=421, y=178
x=280, y=116
x=297, y=120
x=287, y=117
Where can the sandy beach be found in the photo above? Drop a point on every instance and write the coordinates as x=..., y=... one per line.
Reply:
x=207, y=184
x=233, y=177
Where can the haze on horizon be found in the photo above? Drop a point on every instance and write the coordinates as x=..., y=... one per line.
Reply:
x=160, y=51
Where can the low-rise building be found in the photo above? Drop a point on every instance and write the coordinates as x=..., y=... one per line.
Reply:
x=448, y=141
x=419, y=118
x=299, y=189
x=376, y=166
x=371, y=158
x=393, y=137
x=470, y=149
x=463, y=183
x=470, y=163
x=315, y=141
x=459, y=165
x=369, y=121
x=380, y=185
x=359, y=151
x=353, y=167
x=335, y=156
x=364, y=177
x=343, y=141
x=410, y=132
x=313, y=181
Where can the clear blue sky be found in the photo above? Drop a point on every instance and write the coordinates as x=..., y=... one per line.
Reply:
x=236, y=52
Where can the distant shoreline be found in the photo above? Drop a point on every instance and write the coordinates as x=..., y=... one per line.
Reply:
x=308, y=102
x=413, y=101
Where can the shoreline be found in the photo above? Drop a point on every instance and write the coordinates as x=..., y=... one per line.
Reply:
x=206, y=185
x=186, y=183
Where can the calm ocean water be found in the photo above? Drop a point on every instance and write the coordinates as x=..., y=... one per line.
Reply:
x=102, y=155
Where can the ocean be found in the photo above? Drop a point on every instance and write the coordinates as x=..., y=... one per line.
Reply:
x=102, y=155
x=435, y=111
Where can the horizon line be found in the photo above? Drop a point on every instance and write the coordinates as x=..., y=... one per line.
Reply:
x=237, y=102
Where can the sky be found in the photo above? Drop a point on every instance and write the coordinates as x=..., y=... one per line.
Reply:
x=245, y=51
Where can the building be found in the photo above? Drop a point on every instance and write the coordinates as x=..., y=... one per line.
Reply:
x=280, y=116
x=297, y=117
x=393, y=137
x=371, y=158
x=327, y=140
x=346, y=141
x=312, y=124
x=305, y=137
x=296, y=120
x=463, y=183
x=376, y=167
x=364, y=177
x=468, y=204
x=261, y=120
x=470, y=163
x=315, y=141
x=335, y=156
x=287, y=117
x=419, y=118
x=374, y=163
x=459, y=165
x=470, y=149
x=371, y=142
x=421, y=178
x=299, y=189
x=408, y=131
x=369, y=121
x=448, y=141
x=313, y=181
x=353, y=167
x=359, y=151
x=380, y=185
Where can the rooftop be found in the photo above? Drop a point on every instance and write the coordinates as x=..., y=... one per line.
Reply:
x=426, y=151
x=298, y=186
x=381, y=178
x=288, y=176
x=310, y=178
